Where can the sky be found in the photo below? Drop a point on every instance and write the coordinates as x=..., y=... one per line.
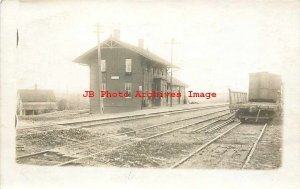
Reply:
x=218, y=43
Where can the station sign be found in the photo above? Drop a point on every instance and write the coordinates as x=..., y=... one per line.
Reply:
x=115, y=77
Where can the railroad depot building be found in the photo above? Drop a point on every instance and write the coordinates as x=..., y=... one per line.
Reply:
x=128, y=68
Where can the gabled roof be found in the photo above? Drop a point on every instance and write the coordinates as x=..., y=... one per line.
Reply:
x=36, y=95
x=112, y=42
x=177, y=82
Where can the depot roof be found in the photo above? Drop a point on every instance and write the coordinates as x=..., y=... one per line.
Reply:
x=106, y=44
x=177, y=82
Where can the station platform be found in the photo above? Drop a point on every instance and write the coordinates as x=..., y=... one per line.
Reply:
x=61, y=119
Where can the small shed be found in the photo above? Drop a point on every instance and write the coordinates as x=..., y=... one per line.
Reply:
x=35, y=101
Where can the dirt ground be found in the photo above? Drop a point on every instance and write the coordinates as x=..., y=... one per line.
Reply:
x=34, y=142
x=269, y=151
x=229, y=152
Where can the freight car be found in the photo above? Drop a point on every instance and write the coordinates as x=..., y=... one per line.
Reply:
x=264, y=99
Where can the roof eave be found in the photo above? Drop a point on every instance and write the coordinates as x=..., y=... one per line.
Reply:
x=81, y=58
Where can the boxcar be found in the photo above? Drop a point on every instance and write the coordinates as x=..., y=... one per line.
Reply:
x=264, y=98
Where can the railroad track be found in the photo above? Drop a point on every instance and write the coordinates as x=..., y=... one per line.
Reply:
x=246, y=161
x=250, y=154
x=119, y=144
x=100, y=122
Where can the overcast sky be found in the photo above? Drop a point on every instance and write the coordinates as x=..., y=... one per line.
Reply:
x=218, y=42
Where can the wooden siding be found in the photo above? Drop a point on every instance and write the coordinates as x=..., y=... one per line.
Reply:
x=115, y=66
x=142, y=75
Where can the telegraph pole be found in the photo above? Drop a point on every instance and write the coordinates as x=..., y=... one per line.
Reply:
x=99, y=70
x=171, y=98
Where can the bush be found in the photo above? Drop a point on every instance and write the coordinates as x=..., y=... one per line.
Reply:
x=62, y=104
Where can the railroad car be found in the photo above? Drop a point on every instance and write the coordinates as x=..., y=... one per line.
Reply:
x=264, y=98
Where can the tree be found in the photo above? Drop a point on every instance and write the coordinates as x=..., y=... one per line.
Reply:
x=62, y=104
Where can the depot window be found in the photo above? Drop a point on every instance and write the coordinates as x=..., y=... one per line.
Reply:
x=128, y=65
x=103, y=65
x=128, y=87
x=103, y=88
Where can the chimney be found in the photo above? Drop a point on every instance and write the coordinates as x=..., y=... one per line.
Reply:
x=141, y=43
x=116, y=34
x=35, y=86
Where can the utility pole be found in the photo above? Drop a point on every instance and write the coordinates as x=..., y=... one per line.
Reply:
x=99, y=70
x=171, y=79
x=171, y=98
